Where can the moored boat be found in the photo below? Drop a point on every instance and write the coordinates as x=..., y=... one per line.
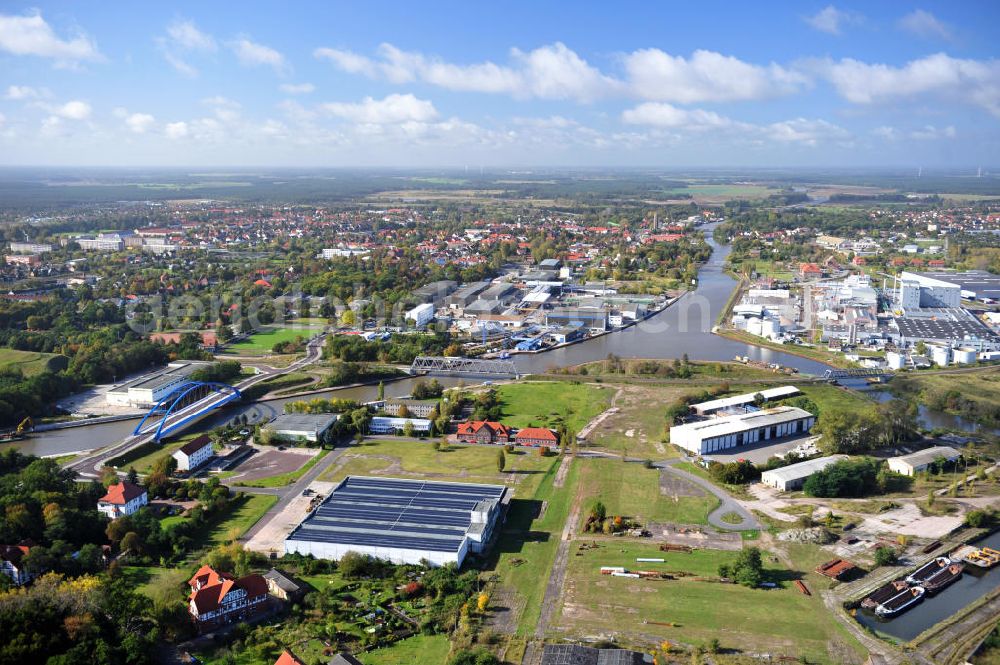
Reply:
x=930, y=568
x=943, y=577
x=883, y=593
x=901, y=602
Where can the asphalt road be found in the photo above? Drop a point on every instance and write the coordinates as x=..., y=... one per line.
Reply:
x=727, y=503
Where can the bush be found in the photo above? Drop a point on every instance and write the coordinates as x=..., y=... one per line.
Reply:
x=846, y=478
x=886, y=556
x=980, y=519
x=748, y=569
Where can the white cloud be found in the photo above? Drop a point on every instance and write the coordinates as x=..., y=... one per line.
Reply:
x=297, y=88
x=30, y=35
x=705, y=76
x=973, y=81
x=176, y=130
x=184, y=37
x=699, y=121
x=187, y=35
x=557, y=72
x=224, y=109
x=74, y=110
x=930, y=133
x=140, y=123
x=25, y=92
x=251, y=54
x=804, y=131
x=552, y=72
x=886, y=132
x=830, y=20
x=391, y=110
x=657, y=114
x=924, y=24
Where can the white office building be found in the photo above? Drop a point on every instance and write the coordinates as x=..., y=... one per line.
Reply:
x=300, y=426
x=421, y=315
x=720, y=434
x=387, y=425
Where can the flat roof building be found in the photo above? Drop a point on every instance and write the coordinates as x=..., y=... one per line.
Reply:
x=913, y=463
x=466, y=294
x=705, y=408
x=300, y=426
x=718, y=434
x=387, y=425
x=149, y=389
x=402, y=521
x=794, y=476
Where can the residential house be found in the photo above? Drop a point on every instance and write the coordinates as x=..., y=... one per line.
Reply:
x=12, y=562
x=536, y=436
x=281, y=585
x=122, y=499
x=219, y=598
x=194, y=453
x=288, y=658
x=483, y=431
x=810, y=271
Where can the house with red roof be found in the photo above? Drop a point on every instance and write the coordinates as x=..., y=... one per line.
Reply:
x=810, y=271
x=12, y=562
x=123, y=498
x=219, y=598
x=484, y=432
x=288, y=658
x=536, y=436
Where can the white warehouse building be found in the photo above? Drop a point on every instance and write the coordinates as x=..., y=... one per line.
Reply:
x=389, y=425
x=735, y=401
x=718, y=434
x=794, y=476
x=403, y=521
x=149, y=389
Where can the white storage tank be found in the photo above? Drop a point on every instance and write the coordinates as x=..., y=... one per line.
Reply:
x=940, y=355
x=965, y=355
x=895, y=360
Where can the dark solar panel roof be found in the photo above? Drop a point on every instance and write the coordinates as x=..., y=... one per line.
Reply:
x=572, y=654
x=392, y=512
x=951, y=325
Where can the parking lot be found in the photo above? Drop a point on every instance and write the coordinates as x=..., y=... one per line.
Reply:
x=266, y=462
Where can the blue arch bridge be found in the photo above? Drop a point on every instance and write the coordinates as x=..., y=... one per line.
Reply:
x=185, y=404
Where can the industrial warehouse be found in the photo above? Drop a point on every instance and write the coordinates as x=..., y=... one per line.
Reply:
x=402, y=521
x=717, y=434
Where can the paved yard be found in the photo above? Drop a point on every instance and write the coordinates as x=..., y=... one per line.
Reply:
x=270, y=537
x=267, y=462
x=759, y=453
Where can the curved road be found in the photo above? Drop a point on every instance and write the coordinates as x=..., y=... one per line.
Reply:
x=727, y=503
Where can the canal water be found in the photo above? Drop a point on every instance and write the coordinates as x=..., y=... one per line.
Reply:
x=931, y=419
x=973, y=584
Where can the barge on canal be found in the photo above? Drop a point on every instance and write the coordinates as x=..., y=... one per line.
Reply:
x=932, y=567
x=901, y=602
x=943, y=577
x=883, y=593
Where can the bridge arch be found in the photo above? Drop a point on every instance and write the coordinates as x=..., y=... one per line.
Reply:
x=178, y=399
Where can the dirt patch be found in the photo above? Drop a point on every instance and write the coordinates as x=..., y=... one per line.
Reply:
x=505, y=609
x=675, y=487
x=695, y=536
x=268, y=463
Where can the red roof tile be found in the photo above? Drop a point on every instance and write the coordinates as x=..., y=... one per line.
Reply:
x=122, y=493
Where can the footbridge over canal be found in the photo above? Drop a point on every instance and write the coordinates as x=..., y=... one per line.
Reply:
x=187, y=403
x=464, y=366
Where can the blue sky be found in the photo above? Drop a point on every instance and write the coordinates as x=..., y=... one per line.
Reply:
x=499, y=84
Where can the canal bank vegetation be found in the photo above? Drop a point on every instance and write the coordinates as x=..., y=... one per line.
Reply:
x=817, y=353
x=615, y=367
x=973, y=395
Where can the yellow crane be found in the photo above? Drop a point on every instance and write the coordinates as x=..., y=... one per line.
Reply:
x=25, y=425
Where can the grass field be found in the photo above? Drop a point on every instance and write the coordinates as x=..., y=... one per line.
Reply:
x=264, y=341
x=424, y=649
x=29, y=362
x=630, y=490
x=547, y=403
x=779, y=621
x=637, y=430
x=242, y=515
x=471, y=464
x=528, y=542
